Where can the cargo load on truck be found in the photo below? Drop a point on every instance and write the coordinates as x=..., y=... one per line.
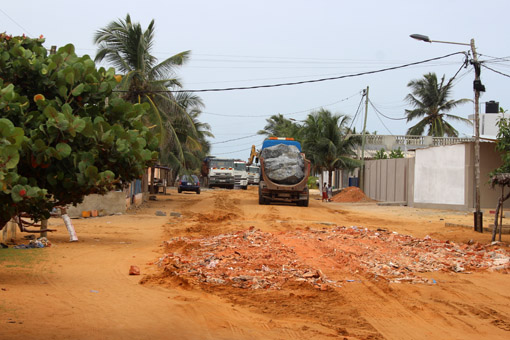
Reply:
x=284, y=172
x=283, y=164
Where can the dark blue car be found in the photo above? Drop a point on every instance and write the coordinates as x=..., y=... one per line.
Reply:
x=189, y=183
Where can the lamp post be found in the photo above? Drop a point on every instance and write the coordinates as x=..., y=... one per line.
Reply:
x=477, y=87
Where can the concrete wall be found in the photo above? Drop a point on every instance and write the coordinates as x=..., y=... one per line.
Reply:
x=452, y=167
x=8, y=232
x=112, y=203
x=440, y=174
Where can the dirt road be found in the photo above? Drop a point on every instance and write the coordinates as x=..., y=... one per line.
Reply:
x=83, y=291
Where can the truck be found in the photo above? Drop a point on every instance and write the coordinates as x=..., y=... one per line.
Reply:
x=240, y=174
x=253, y=174
x=218, y=172
x=271, y=190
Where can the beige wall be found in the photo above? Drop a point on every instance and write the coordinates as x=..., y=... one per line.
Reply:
x=112, y=203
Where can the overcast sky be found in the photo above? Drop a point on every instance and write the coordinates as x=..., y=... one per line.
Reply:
x=245, y=43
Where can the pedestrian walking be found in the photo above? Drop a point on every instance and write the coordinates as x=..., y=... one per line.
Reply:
x=330, y=192
x=325, y=192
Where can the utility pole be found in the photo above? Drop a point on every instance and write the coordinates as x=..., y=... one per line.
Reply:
x=477, y=87
x=362, y=172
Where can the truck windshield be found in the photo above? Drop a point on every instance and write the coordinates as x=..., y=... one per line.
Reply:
x=218, y=163
x=253, y=169
x=240, y=166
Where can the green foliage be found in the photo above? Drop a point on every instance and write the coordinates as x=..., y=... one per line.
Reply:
x=60, y=139
x=503, y=146
x=381, y=154
x=279, y=126
x=397, y=153
x=431, y=104
x=327, y=143
x=128, y=47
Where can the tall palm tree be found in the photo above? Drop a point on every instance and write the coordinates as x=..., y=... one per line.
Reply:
x=431, y=103
x=279, y=126
x=328, y=143
x=192, y=135
x=127, y=47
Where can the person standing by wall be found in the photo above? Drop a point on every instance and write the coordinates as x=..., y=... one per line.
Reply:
x=325, y=192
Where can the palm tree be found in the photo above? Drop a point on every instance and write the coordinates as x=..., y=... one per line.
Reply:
x=279, y=126
x=328, y=143
x=127, y=47
x=430, y=101
x=191, y=134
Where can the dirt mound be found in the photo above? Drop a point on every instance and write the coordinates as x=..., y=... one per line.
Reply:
x=351, y=195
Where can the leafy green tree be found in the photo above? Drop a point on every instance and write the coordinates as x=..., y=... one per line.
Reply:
x=279, y=126
x=503, y=145
x=127, y=47
x=60, y=138
x=431, y=103
x=327, y=142
x=381, y=154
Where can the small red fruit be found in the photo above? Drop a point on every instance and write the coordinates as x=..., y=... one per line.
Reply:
x=22, y=192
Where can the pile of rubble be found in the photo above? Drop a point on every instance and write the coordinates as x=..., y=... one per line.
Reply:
x=261, y=260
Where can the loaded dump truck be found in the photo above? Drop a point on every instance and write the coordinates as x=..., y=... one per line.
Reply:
x=284, y=172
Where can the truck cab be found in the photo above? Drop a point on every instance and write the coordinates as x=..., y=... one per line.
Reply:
x=253, y=174
x=240, y=174
x=221, y=173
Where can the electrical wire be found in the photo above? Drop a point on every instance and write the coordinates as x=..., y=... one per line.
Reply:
x=379, y=112
x=377, y=115
x=493, y=70
x=231, y=140
x=230, y=152
x=283, y=114
x=14, y=21
x=357, y=112
x=304, y=81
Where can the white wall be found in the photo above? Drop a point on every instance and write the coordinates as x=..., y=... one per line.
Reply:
x=440, y=175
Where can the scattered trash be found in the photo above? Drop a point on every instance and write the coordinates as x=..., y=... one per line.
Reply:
x=160, y=213
x=94, y=291
x=253, y=259
x=3, y=245
x=41, y=242
x=175, y=214
x=134, y=270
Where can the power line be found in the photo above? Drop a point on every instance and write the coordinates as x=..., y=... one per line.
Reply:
x=377, y=115
x=230, y=152
x=283, y=114
x=14, y=21
x=231, y=140
x=493, y=70
x=379, y=112
x=304, y=81
x=357, y=112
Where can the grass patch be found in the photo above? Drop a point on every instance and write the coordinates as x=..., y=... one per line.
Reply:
x=20, y=258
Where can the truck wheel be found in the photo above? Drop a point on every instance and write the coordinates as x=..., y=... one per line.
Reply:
x=245, y=187
x=179, y=190
x=198, y=191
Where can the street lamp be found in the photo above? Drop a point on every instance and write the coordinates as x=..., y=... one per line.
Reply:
x=477, y=87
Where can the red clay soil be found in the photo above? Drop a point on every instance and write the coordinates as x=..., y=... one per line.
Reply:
x=351, y=195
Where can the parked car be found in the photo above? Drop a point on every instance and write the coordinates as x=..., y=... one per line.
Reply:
x=189, y=183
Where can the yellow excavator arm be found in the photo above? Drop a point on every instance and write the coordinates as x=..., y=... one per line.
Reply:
x=254, y=155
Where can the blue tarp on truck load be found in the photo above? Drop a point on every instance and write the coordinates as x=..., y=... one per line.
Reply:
x=272, y=142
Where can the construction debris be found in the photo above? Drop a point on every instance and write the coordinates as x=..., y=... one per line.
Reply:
x=260, y=260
